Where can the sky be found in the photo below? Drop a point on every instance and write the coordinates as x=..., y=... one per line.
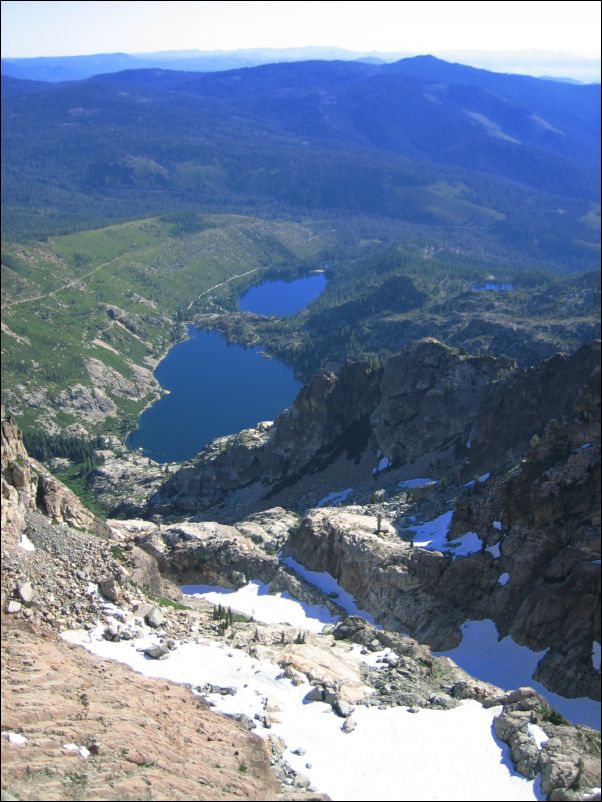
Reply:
x=78, y=28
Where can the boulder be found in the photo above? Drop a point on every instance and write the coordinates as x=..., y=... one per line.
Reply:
x=27, y=593
x=109, y=588
x=348, y=725
x=157, y=651
x=155, y=617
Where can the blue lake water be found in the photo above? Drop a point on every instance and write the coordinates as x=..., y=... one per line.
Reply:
x=215, y=389
x=282, y=298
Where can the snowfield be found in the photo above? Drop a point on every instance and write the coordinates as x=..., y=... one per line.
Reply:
x=508, y=665
x=392, y=754
x=255, y=601
x=328, y=584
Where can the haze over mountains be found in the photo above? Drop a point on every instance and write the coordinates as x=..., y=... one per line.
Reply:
x=73, y=68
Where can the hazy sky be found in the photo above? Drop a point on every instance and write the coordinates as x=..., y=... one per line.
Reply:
x=70, y=28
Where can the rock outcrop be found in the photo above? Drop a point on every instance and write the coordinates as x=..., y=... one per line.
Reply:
x=423, y=402
x=430, y=406
x=142, y=736
x=429, y=394
x=51, y=579
x=547, y=541
x=553, y=582
x=27, y=486
x=327, y=418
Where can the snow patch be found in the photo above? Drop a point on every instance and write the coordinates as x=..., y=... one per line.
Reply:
x=335, y=498
x=494, y=550
x=365, y=764
x=497, y=525
x=371, y=659
x=81, y=750
x=383, y=464
x=503, y=579
x=432, y=535
x=482, y=478
x=470, y=543
x=26, y=544
x=408, y=484
x=538, y=735
x=256, y=601
x=14, y=738
x=506, y=664
x=596, y=655
x=327, y=584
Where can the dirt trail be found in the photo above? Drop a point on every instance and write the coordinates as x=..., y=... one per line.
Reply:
x=66, y=285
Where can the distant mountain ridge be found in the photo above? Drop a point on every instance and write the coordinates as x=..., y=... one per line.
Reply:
x=420, y=140
x=74, y=68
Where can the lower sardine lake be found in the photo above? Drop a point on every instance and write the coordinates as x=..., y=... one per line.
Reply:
x=214, y=389
x=217, y=389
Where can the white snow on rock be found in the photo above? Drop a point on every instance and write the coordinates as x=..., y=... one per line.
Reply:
x=538, y=735
x=503, y=579
x=256, y=601
x=15, y=738
x=328, y=584
x=81, y=750
x=470, y=543
x=497, y=525
x=506, y=664
x=389, y=756
x=383, y=464
x=26, y=544
x=371, y=659
x=432, y=535
x=408, y=484
x=494, y=550
x=482, y=478
x=334, y=498
x=596, y=655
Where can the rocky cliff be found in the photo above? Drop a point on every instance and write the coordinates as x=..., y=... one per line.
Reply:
x=535, y=432
x=431, y=408
x=419, y=407
x=46, y=583
x=27, y=485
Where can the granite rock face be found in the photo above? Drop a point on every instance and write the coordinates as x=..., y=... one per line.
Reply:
x=460, y=415
x=536, y=431
x=428, y=395
x=28, y=486
x=424, y=400
x=253, y=461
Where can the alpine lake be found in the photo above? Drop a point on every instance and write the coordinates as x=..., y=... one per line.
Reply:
x=216, y=389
